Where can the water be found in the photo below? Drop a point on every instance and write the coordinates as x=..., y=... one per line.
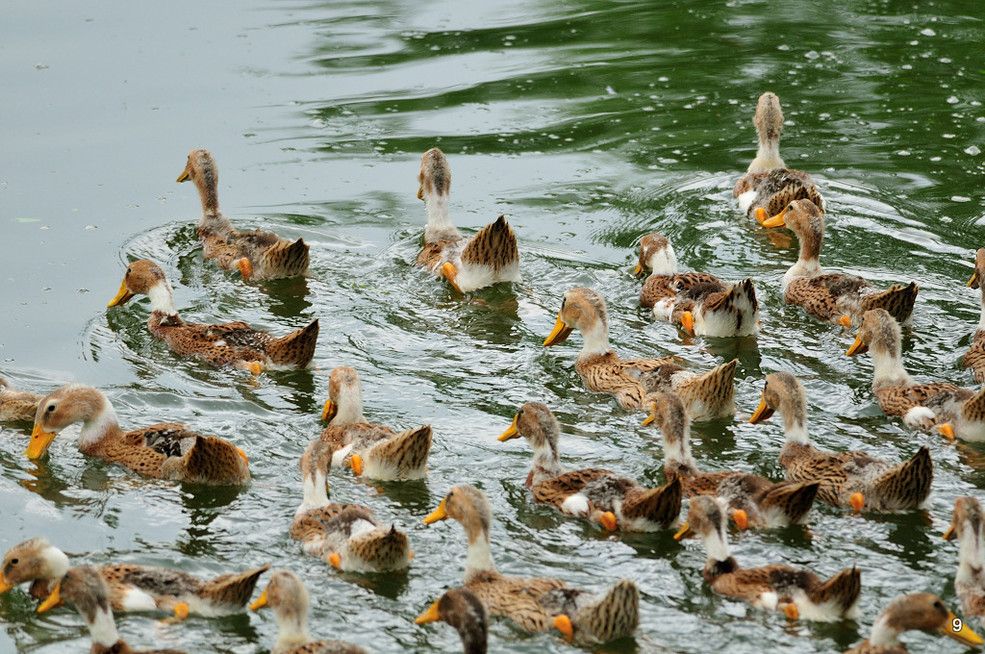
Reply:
x=588, y=124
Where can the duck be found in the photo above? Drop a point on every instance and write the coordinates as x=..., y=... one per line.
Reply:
x=832, y=297
x=753, y=501
x=233, y=344
x=796, y=592
x=700, y=303
x=85, y=589
x=162, y=451
x=534, y=605
x=17, y=405
x=460, y=608
x=257, y=255
x=594, y=493
x=348, y=536
x=853, y=479
x=921, y=611
x=768, y=184
x=468, y=264
x=968, y=527
x=132, y=587
x=954, y=412
x=287, y=595
x=975, y=357
x=707, y=395
x=371, y=449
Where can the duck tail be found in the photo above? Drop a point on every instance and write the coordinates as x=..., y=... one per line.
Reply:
x=658, y=505
x=210, y=460
x=898, y=300
x=974, y=409
x=715, y=387
x=406, y=454
x=382, y=549
x=297, y=348
x=842, y=590
x=907, y=485
x=232, y=590
x=615, y=615
x=285, y=259
x=794, y=500
x=494, y=246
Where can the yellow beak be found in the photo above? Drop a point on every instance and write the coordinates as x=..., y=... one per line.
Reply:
x=560, y=332
x=959, y=630
x=858, y=347
x=53, y=600
x=262, y=600
x=973, y=282
x=331, y=408
x=762, y=412
x=950, y=534
x=777, y=220
x=638, y=270
x=4, y=586
x=438, y=514
x=511, y=431
x=40, y=442
x=420, y=191
x=122, y=297
x=184, y=176
x=653, y=415
x=684, y=532
x=431, y=615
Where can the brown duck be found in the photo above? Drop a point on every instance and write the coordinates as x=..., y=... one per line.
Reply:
x=485, y=259
x=753, y=501
x=852, y=478
x=256, y=254
x=968, y=527
x=17, y=405
x=832, y=297
x=917, y=611
x=231, y=344
x=975, y=357
x=460, y=608
x=594, y=493
x=163, y=451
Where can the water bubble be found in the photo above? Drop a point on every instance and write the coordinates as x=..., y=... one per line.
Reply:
x=928, y=32
x=973, y=150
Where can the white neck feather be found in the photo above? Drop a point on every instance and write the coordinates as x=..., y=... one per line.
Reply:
x=479, y=557
x=883, y=635
x=96, y=427
x=161, y=298
x=795, y=426
x=972, y=560
x=103, y=628
x=663, y=261
x=767, y=157
x=292, y=631
x=56, y=563
x=439, y=227
x=315, y=493
x=716, y=545
x=889, y=370
x=981, y=320
x=679, y=451
x=596, y=339
x=803, y=268
x=545, y=461
x=350, y=406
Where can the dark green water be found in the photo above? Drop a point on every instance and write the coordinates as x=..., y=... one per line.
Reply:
x=588, y=124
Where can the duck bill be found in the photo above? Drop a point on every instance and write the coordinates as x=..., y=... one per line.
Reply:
x=40, y=442
x=55, y=599
x=122, y=297
x=331, y=408
x=959, y=630
x=511, y=431
x=950, y=534
x=650, y=418
x=261, y=601
x=420, y=191
x=559, y=334
x=184, y=176
x=684, y=532
x=973, y=282
x=762, y=412
x=4, y=586
x=431, y=615
x=638, y=270
x=776, y=221
x=858, y=347
x=438, y=514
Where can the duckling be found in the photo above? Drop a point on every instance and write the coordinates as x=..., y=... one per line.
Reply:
x=975, y=358
x=374, y=450
x=485, y=259
x=288, y=597
x=132, y=587
x=798, y=593
x=17, y=405
x=256, y=254
x=348, y=536
x=593, y=493
x=832, y=297
x=534, y=604
x=921, y=611
x=162, y=451
x=769, y=185
x=752, y=500
x=234, y=343
x=85, y=588
x=954, y=412
x=852, y=478
x=707, y=395
x=699, y=302
x=460, y=608
x=968, y=527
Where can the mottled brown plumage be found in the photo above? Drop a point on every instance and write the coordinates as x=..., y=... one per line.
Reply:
x=975, y=357
x=832, y=297
x=17, y=405
x=256, y=254
x=592, y=493
x=765, y=503
x=881, y=485
x=968, y=527
x=460, y=608
x=917, y=611
x=165, y=451
x=233, y=344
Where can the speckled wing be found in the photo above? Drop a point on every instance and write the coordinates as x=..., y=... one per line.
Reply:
x=432, y=255
x=821, y=296
x=361, y=435
x=161, y=583
x=555, y=491
x=681, y=285
x=898, y=300
x=750, y=584
x=972, y=599
x=515, y=598
x=232, y=590
x=661, y=505
x=16, y=405
x=904, y=486
x=975, y=357
x=898, y=400
x=792, y=499
x=828, y=471
x=778, y=188
x=606, y=373
x=311, y=524
x=325, y=647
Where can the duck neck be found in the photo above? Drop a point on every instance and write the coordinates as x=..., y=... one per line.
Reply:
x=162, y=299
x=292, y=630
x=972, y=560
x=474, y=638
x=56, y=562
x=981, y=319
x=315, y=492
x=808, y=261
x=768, y=155
x=208, y=191
x=102, y=627
x=596, y=339
x=546, y=463
x=479, y=556
x=794, y=415
x=884, y=633
x=888, y=369
x=99, y=425
x=350, y=407
x=663, y=261
x=439, y=227
x=677, y=449
x=716, y=545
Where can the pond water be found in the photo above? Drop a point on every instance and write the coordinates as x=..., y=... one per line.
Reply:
x=586, y=123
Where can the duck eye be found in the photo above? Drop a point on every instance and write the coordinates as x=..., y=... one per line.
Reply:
x=50, y=409
x=520, y=412
x=14, y=561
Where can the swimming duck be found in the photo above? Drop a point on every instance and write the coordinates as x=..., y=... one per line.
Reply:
x=460, y=608
x=832, y=297
x=17, y=405
x=594, y=493
x=348, y=536
x=769, y=185
x=85, y=588
x=534, y=604
x=954, y=412
x=707, y=395
x=921, y=611
x=256, y=254
x=374, y=450
x=798, y=593
x=132, y=587
x=699, y=302
x=852, y=478
x=233, y=343
x=975, y=358
x=752, y=500
x=163, y=451
x=288, y=597
x=968, y=527
x=485, y=259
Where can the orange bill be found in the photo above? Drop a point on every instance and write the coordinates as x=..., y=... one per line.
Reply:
x=684, y=532
x=777, y=220
x=53, y=600
x=858, y=347
x=762, y=411
x=511, y=431
x=959, y=630
x=331, y=408
x=122, y=297
x=40, y=442
x=262, y=600
x=438, y=514
x=559, y=334
x=431, y=615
